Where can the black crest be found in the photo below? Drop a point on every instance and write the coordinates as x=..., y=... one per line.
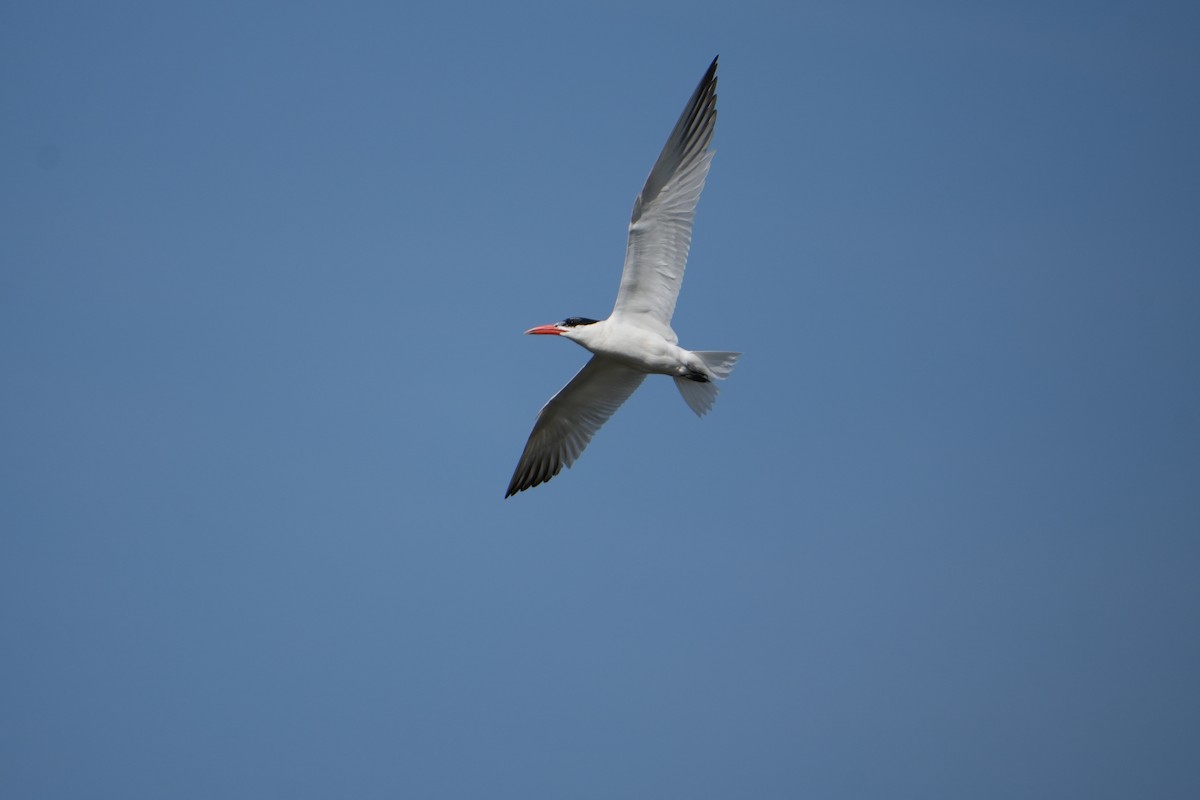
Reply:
x=574, y=322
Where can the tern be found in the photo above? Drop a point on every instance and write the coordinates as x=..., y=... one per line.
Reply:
x=637, y=340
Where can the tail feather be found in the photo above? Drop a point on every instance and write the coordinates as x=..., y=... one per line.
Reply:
x=719, y=362
x=701, y=394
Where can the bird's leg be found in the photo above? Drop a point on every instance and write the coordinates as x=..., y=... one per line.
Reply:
x=684, y=371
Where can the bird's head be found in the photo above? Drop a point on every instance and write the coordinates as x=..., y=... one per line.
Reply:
x=574, y=328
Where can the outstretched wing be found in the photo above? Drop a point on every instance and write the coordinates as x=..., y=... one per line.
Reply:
x=660, y=231
x=568, y=422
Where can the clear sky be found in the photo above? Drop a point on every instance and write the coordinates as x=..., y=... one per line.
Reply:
x=264, y=273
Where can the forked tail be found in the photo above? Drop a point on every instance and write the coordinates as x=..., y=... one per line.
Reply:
x=701, y=393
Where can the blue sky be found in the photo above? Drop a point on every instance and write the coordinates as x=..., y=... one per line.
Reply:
x=264, y=273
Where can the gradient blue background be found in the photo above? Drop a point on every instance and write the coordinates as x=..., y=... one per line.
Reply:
x=264, y=270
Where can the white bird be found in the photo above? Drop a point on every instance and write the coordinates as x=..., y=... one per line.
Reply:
x=636, y=340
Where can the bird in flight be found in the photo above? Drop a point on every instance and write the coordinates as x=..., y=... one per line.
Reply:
x=636, y=340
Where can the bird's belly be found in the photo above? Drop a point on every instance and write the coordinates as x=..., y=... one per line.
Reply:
x=645, y=353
